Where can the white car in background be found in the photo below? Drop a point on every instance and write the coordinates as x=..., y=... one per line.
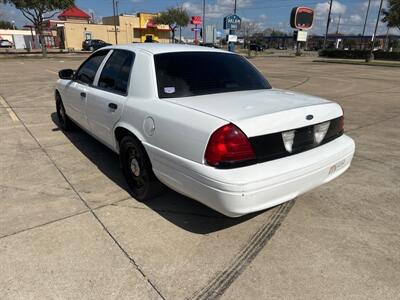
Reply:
x=206, y=123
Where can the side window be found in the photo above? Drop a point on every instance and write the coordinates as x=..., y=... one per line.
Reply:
x=115, y=75
x=87, y=71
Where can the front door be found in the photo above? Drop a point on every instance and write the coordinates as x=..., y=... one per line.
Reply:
x=76, y=92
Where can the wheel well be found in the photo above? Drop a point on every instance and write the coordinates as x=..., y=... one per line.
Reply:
x=57, y=94
x=121, y=132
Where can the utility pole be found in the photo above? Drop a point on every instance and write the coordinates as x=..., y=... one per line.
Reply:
x=371, y=53
x=234, y=11
x=116, y=7
x=204, y=23
x=115, y=24
x=338, y=25
x=365, y=22
x=327, y=22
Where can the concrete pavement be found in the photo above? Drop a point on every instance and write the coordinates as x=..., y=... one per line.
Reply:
x=69, y=229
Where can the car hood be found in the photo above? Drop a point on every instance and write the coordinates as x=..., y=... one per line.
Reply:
x=269, y=110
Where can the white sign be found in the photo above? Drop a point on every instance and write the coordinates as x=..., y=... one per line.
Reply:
x=302, y=36
x=232, y=38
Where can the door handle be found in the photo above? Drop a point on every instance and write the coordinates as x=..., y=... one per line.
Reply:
x=83, y=94
x=113, y=106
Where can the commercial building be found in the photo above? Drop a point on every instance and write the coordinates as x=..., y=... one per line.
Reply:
x=74, y=26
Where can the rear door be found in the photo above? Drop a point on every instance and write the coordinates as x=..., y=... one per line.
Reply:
x=77, y=91
x=105, y=106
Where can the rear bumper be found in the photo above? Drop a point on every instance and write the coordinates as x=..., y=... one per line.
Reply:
x=240, y=191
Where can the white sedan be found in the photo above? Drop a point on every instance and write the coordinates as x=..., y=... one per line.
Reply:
x=205, y=123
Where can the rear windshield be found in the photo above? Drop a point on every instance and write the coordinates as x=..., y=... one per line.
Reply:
x=183, y=74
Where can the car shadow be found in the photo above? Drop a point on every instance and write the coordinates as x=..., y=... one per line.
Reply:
x=182, y=211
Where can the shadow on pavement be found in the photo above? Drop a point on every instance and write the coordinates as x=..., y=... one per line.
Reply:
x=177, y=209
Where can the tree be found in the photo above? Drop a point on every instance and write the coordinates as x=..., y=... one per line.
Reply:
x=248, y=30
x=391, y=16
x=38, y=11
x=173, y=17
x=6, y=25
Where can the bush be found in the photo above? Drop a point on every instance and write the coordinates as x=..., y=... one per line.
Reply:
x=359, y=54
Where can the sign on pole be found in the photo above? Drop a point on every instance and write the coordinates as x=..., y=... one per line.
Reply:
x=196, y=20
x=232, y=22
x=302, y=18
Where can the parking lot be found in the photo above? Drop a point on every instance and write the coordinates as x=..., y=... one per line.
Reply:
x=69, y=229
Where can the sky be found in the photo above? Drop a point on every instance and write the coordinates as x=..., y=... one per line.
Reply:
x=266, y=13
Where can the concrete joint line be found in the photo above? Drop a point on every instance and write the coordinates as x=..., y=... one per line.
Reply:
x=4, y=102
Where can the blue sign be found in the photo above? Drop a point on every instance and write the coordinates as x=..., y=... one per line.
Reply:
x=232, y=22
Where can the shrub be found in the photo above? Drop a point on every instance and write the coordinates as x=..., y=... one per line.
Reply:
x=359, y=54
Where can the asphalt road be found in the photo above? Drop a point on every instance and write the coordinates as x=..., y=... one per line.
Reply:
x=69, y=229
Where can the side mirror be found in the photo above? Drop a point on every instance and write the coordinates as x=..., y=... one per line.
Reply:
x=66, y=74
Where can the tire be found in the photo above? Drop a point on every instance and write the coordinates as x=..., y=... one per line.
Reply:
x=137, y=170
x=63, y=120
x=91, y=49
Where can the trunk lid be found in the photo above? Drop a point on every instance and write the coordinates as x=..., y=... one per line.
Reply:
x=262, y=112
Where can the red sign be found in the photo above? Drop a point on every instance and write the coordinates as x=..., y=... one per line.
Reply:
x=302, y=18
x=196, y=20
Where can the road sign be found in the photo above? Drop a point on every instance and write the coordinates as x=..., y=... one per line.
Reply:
x=196, y=29
x=232, y=22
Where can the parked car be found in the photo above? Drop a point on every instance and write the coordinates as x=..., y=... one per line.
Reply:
x=92, y=45
x=206, y=123
x=256, y=47
x=6, y=44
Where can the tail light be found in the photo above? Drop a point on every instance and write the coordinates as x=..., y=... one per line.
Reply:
x=228, y=145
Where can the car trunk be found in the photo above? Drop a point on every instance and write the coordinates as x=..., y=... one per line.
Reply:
x=266, y=115
x=262, y=112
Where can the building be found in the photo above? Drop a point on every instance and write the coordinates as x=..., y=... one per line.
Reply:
x=22, y=39
x=74, y=26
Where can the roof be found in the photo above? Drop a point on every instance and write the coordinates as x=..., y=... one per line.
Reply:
x=73, y=12
x=155, y=48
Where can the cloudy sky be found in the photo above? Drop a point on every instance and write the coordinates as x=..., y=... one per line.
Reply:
x=268, y=13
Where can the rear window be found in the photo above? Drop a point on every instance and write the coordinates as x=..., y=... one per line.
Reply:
x=183, y=74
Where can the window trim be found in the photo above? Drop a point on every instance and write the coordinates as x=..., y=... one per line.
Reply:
x=80, y=67
x=100, y=70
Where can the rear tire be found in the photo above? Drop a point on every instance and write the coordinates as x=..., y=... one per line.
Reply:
x=63, y=120
x=137, y=170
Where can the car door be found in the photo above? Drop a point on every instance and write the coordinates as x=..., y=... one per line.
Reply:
x=75, y=93
x=105, y=105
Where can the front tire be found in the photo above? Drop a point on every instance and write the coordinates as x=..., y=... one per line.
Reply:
x=63, y=120
x=137, y=170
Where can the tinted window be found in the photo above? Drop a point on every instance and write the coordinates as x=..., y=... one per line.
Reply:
x=115, y=74
x=199, y=73
x=87, y=71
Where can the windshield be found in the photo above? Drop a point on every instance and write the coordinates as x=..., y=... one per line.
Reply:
x=183, y=74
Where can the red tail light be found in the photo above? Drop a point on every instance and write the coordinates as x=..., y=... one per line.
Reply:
x=228, y=144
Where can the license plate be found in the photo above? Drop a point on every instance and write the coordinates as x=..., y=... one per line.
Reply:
x=337, y=166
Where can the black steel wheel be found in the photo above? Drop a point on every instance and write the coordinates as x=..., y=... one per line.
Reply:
x=63, y=120
x=137, y=170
